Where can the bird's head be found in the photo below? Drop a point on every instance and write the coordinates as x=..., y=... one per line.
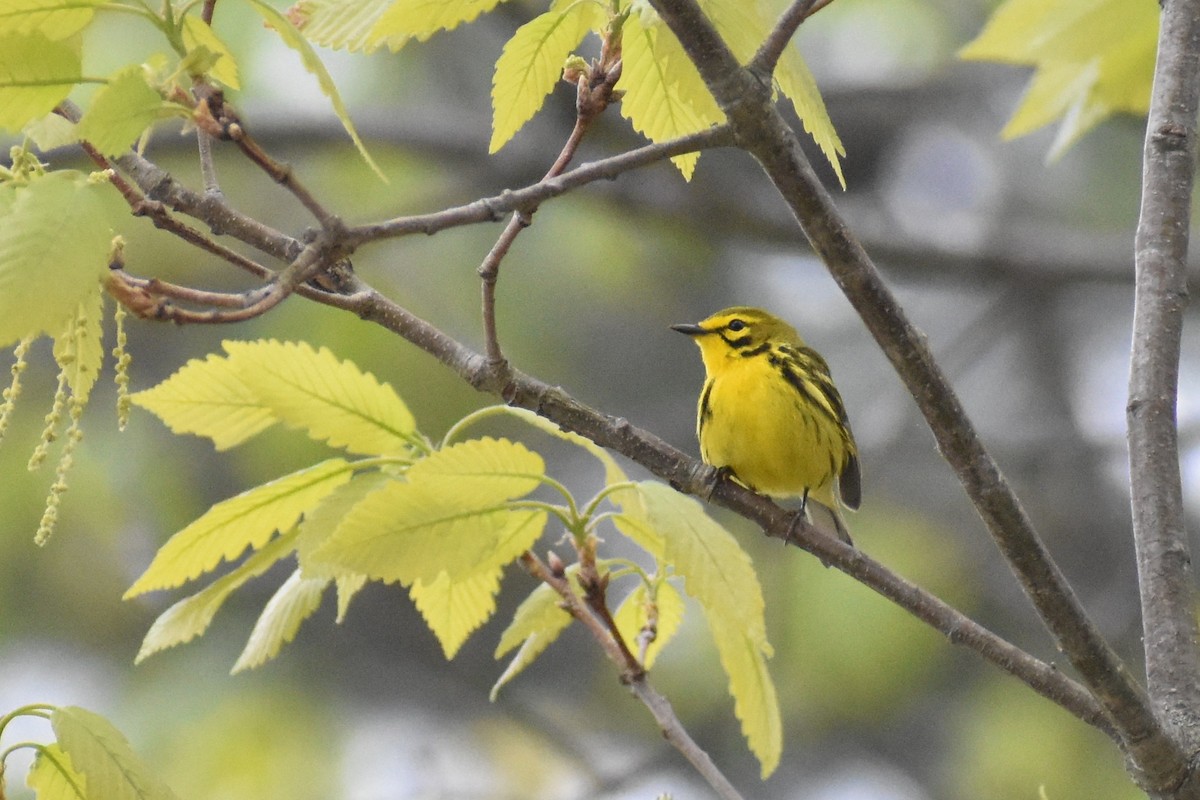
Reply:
x=738, y=332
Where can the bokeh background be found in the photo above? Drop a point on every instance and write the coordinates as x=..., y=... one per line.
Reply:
x=1019, y=271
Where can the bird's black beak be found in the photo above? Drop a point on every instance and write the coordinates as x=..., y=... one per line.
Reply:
x=689, y=330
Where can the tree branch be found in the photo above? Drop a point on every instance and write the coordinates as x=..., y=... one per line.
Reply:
x=489, y=209
x=764, y=133
x=689, y=475
x=1161, y=246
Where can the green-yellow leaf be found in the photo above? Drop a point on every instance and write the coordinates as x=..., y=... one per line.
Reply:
x=102, y=754
x=718, y=573
x=454, y=609
x=536, y=624
x=78, y=348
x=344, y=24
x=191, y=616
x=36, y=74
x=532, y=63
x=331, y=400
x=798, y=84
x=715, y=569
x=754, y=698
x=633, y=615
x=485, y=470
x=122, y=110
x=1093, y=58
x=420, y=19
x=208, y=398
x=296, y=41
x=53, y=777
x=44, y=275
x=319, y=525
x=613, y=474
x=664, y=95
x=196, y=33
x=293, y=603
x=248, y=520
x=54, y=19
x=406, y=532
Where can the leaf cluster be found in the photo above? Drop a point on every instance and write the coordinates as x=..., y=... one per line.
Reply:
x=443, y=520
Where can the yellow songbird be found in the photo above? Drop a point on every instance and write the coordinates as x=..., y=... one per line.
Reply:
x=770, y=414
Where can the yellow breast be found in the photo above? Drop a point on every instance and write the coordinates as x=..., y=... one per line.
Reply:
x=757, y=425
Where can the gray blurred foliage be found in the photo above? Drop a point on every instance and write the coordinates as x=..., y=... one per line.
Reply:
x=1019, y=271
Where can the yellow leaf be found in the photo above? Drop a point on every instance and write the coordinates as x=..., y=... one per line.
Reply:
x=420, y=19
x=718, y=573
x=632, y=616
x=798, y=84
x=54, y=19
x=664, y=95
x=454, y=609
x=248, y=520
x=536, y=624
x=296, y=41
x=484, y=470
x=405, y=532
x=54, y=777
x=44, y=274
x=36, y=74
x=78, y=349
x=613, y=474
x=754, y=699
x=531, y=65
x=343, y=24
x=191, y=616
x=208, y=398
x=331, y=400
x=197, y=33
x=1093, y=58
x=291, y=604
x=122, y=110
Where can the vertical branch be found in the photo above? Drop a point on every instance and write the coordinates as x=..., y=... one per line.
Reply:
x=1163, y=554
x=764, y=134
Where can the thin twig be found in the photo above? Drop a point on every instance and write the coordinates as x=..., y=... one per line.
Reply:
x=594, y=92
x=772, y=48
x=633, y=676
x=766, y=135
x=1171, y=638
x=139, y=206
x=491, y=209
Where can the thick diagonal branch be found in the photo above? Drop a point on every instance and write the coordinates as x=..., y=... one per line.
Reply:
x=1161, y=246
x=763, y=132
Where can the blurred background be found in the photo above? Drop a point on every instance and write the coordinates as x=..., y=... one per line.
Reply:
x=1019, y=271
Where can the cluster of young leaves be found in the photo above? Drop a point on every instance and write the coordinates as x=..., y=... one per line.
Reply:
x=441, y=519
x=41, y=63
x=664, y=96
x=51, y=284
x=91, y=759
x=1093, y=59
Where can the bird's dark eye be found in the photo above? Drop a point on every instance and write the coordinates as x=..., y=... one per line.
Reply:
x=736, y=325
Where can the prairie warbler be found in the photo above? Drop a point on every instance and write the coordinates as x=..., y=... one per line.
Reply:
x=770, y=414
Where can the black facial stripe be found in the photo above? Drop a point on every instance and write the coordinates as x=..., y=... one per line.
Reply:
x=736, y=344
x=755, y=351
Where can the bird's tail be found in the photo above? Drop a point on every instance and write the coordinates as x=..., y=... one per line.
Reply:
x=824, y=511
